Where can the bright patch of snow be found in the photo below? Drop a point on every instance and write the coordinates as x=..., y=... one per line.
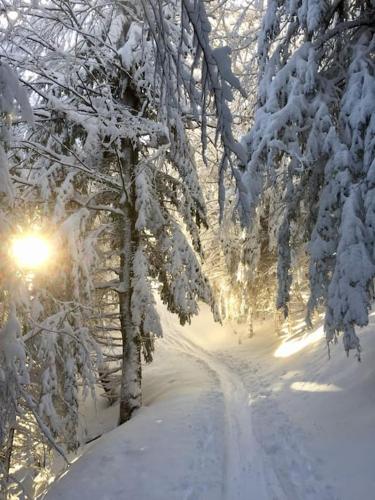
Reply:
x=290, y=347
x=314, y=387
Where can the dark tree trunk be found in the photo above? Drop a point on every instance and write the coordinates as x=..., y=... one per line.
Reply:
x=131, y=376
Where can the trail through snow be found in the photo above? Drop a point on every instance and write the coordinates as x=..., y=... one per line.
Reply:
x=225, y=420
x=262, y=462
x=243, y=468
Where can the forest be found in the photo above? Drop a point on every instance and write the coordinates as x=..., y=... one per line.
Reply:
x=187, y=217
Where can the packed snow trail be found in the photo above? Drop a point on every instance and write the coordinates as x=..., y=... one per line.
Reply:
x=276, y=463
x=244, y=475
x=225, y=420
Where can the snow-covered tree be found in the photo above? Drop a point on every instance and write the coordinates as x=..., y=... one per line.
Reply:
x=110, y=165
x=312, y=144
x=224, y=241
x=14, y=369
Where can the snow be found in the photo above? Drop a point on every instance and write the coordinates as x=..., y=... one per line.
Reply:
x=227, y=417
x=12, y=352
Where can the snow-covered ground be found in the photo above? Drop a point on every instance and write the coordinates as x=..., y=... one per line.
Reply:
x=264, y=419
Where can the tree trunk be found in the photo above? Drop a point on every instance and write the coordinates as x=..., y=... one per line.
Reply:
x=251, y=323
x=131, y=375
x=278, y=318
x=8, y=454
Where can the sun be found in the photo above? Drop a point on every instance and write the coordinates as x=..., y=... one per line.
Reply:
x=30, y=251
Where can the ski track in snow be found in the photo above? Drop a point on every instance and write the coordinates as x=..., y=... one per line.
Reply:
x=285, y=456
x=264, y=453
x=243, y=470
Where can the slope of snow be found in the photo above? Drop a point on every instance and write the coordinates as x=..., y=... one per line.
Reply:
x=264, y=419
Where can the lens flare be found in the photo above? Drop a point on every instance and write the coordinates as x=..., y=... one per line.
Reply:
x=30, y=251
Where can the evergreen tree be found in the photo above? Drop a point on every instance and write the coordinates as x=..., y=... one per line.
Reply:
x=110, y=167
x=312, y=143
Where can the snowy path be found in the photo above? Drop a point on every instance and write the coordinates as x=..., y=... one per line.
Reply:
x=291, y=472
x=244, y=475
x=265, y=461
x=230, y=421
